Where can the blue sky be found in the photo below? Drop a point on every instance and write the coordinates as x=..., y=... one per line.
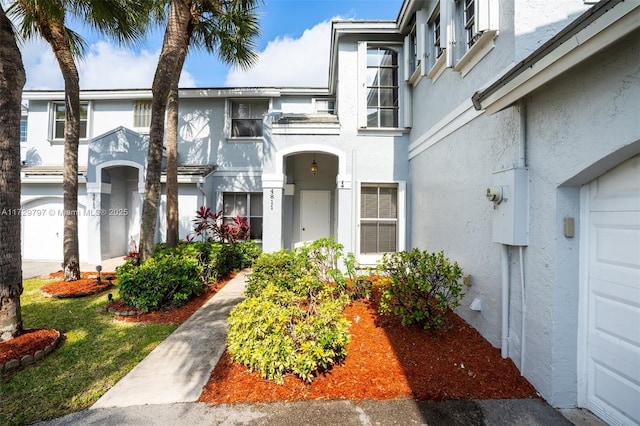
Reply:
x=293, y=51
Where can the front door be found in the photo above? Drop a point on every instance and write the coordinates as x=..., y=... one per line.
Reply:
x=315, y=209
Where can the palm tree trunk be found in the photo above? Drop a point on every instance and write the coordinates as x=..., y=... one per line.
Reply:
x=53, y=33
x=172, y=168
x=12, y=80
x=172, y=55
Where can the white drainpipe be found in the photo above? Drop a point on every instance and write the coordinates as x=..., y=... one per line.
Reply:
x=505, y=301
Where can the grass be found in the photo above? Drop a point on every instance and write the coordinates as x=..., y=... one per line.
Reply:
x=96, y=353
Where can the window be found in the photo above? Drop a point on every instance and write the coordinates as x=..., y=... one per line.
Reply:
x=247, y=205
x=382, y=87
x=246, y=118
x=475, y=25
x=471, y=36
x=378, y=218
x=23, y=129
x=58, y=120
x=142, y=114
x=434, y=37
x=414, y=56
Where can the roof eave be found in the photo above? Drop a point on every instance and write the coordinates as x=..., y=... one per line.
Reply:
x=594, y=30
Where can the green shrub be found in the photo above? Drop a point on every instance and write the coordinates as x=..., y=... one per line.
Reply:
x=166, y=278
x=422, y=287
x=249, y=251
x=281, y=268
x=279, y=332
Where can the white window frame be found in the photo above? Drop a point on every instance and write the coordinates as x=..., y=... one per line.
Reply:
x=249, y=216
x=53, y=137
x=436, y=42
x=229, y=118
x=471, y=40
x=24, y=130
x=372, y=259
x=142, y=115
x=404, y=99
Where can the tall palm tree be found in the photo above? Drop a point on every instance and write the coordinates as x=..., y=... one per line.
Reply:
x=228, y=27
x=12, y=80
x=122, y=20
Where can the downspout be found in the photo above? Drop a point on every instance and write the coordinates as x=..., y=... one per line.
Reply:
x=505, y=302
x=522, y=162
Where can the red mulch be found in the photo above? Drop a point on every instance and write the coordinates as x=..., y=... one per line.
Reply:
x=28, y=343
x=387, y=361
x=170, y=315
x=87, y=285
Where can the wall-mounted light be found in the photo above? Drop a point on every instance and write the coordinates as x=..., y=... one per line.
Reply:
x=314, y=166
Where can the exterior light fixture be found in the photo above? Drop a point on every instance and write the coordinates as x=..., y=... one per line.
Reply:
x=314, y=166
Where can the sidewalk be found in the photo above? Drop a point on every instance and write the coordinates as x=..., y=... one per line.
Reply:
x=164, y=387
x=179, y=367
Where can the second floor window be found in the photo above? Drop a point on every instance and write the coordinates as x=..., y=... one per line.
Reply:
x=382, y=87
x=59, y=118
x=246, y=118
x=142, y=114
x=23, y=128
x=469, y=14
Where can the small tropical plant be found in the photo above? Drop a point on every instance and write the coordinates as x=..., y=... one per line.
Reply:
x=209, y=226
x=421, y=287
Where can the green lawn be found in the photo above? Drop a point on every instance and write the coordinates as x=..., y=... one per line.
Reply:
x=96, y=353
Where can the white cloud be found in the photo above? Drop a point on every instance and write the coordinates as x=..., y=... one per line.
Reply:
x=287, y=61
x=104, y=67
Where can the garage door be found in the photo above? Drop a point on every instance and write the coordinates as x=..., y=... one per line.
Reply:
x=42, y=227
x=613, y=295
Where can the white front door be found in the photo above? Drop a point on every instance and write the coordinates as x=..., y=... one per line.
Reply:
x=315, y=208
x=612, y=302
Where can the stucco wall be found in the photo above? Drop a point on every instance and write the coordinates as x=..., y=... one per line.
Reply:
x=578, y=126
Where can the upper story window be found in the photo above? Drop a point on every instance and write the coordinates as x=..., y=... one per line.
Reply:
x=469, y=14
x=23, y=128
x=475, y=25
x=59, y=118
x=435, y=36
x=245, y=205
x=246, y=117
x=382, y=91
x=413, y=53
x=142, y=114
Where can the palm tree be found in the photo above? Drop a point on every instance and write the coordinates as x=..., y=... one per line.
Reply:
x=227, y=27
x=123, y=20
x=12, y=80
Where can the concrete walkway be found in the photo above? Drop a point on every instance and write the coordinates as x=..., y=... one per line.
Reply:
x=178, y=368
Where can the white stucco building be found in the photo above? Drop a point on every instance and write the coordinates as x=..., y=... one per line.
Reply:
x=504, y=132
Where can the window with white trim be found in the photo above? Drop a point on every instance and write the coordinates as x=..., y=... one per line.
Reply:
x=435, y=48
x=475, y=24
x=246, y=117
x=382, y=88
x=245, y=205
x=59, y=119
x=142, y=114
x=23, y=128
x=379, y=226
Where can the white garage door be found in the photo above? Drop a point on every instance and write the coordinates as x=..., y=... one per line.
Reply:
x=42, y=227
x=613, y=295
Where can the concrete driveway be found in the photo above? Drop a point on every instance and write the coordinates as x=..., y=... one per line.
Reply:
x=34, y=268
